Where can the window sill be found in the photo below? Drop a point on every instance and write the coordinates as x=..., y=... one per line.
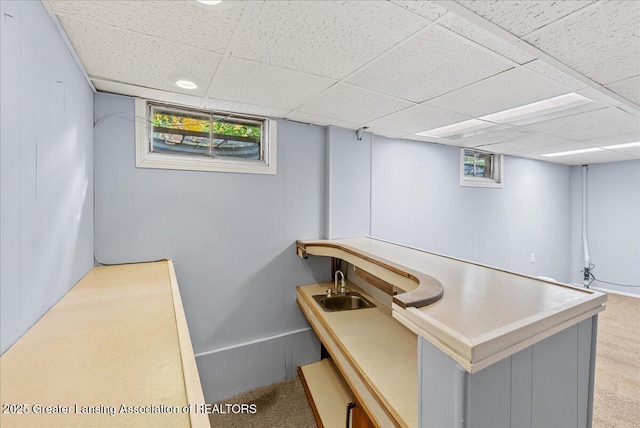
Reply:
x=465, y=182
x=163, y=161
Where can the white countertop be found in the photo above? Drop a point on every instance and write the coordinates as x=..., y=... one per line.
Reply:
x=382, y=351
x=484, y=315
x=117, y=338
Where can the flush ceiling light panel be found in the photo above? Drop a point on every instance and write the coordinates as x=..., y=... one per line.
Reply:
x=522, y=115
x=460, y=129
x=538, y=111
x=622, y=146
x=573, y=152
x=210, y=2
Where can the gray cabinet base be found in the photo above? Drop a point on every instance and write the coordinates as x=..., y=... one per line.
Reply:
x=547, y=384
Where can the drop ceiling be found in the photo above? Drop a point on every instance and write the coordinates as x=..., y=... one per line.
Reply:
x=395, y=67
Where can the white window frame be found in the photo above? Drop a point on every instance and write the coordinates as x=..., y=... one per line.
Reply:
x=497, y=176
x=145, y=158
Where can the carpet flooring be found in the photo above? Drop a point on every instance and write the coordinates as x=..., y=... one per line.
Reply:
x=281, y=405
x=617, y=386
x=616, y=392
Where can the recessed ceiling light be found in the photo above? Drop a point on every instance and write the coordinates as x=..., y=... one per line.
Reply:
x=186, y=84
x=572, y=152
x=533, y=112
x=622, y=146
x=457, y=130
x=210, y=2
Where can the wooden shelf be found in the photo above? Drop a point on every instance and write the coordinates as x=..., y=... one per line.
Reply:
x=327, y=392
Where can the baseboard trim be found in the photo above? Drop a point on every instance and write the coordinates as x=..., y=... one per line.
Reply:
x=606, y=290
x=252, y=342
x=622, y=293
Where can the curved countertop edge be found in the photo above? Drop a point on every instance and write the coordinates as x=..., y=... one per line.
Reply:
x=473, y=352
x=427, y=289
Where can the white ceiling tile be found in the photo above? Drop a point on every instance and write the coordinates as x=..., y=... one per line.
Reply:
x=597, y=95
x=502, y=136
x=444, y=141
x=544, y=159
x=613, y=140
x=554, y=74
x=124, y=56
x=481, y=36
x=125, y=47
x=244, y=108
x=424, y=67
x=386, y=132
x=628, y=88
x=553, y=148
x=187, y=22
x=429, y=10
x=597, y=157
x=632, y=111
x=187, y=100
x=633, y=153
x=497, y=148
x=602, y=41
x=417, y=119
x=498, y=93
x=532, y=142
x=329, y=39
x=255, y=83
x=147, y=93
x=627, y=126
x=523, y=17
x=526, y=122
x=353, y=104
x=589, y=119
x=318, y=120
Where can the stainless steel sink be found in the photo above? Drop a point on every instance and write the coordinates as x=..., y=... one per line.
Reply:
x=343, y=302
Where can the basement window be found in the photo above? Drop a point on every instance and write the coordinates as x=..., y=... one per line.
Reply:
x=480, y=169
x=175, y=137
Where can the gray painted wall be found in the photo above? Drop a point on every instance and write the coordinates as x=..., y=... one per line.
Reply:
x=349, y=184
x=613, y=224
x=46, y=187
x=417, y=201
x=232, y=237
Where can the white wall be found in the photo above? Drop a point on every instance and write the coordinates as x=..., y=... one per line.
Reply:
x=46, y=211
x=232, y=237
x=613, y=224
x=416, y=200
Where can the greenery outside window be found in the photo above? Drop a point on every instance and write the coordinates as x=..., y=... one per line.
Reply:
x=480, y=169
x=173, y=137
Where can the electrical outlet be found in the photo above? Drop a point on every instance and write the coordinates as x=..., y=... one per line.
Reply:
x=533, y=257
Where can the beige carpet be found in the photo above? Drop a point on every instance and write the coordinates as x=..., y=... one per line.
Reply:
x=617, y=387
x=281, y=405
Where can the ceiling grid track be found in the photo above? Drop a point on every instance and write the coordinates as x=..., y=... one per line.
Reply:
x=496, y=30
x=408, y=70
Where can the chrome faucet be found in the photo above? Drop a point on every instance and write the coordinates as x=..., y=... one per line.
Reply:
x=342, y=288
